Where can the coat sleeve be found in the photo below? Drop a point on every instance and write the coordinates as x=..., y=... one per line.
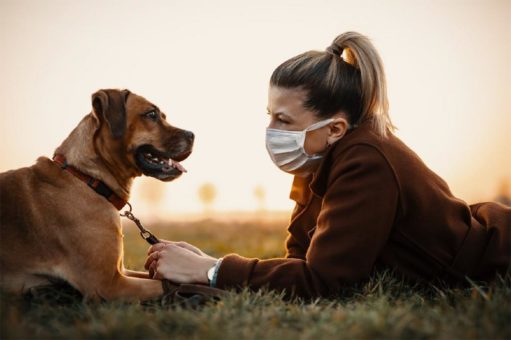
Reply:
x=352, y=228
x=293, y=249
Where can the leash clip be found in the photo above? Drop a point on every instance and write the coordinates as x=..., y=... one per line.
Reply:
x=144, y=233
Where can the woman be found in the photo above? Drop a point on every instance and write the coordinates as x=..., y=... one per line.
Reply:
x=363, y=198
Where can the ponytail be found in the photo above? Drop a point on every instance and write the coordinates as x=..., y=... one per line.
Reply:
x=360, y=52
x=348, y=77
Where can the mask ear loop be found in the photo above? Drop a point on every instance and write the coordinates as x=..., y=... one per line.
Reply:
x=319, y=125
x=350, y=128
x=315, y=126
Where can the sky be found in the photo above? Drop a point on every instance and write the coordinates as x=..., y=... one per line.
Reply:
x=207, y=64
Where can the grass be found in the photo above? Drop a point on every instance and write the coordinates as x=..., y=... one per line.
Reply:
x=383, y=307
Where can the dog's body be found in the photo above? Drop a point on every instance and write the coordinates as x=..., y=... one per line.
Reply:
x=53, y=225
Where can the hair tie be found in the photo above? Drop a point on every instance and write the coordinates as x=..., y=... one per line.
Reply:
x=335, y=50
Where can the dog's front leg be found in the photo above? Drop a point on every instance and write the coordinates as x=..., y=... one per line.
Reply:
x=122, y=287
x=107, y=278
x=134, y=273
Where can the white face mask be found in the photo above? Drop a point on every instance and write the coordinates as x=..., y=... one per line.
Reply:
x=286, y=149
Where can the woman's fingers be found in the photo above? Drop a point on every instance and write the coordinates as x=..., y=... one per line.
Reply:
x=188, y=246
x=152, y=269
x=151, y=258
x=164, y=243
x=157, y=247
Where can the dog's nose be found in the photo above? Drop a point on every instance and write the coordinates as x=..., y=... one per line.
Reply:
x=189, y=135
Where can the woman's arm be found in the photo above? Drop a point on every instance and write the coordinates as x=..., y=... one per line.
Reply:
x=358, y=212
x=293, y=249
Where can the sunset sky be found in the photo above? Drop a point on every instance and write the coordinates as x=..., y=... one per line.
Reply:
x=207, y=65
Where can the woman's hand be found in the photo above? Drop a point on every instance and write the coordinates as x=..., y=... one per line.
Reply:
x=182, y=244
x=179, y=262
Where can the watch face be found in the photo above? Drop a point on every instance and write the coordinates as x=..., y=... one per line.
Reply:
x=210, y=273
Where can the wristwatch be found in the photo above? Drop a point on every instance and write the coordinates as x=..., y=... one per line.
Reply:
x=212, y=273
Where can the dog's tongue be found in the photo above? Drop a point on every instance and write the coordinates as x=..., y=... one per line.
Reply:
x=178, y=166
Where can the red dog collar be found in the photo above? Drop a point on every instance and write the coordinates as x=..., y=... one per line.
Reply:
x=97, y=185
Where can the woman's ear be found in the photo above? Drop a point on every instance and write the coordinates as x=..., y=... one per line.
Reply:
x=337, y=129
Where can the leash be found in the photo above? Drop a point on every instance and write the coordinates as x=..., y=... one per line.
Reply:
x=146, y=234
x=168, y=288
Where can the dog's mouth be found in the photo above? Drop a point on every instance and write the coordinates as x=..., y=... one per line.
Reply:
x=158, y=164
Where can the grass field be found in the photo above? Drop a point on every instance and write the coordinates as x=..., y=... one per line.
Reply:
x=383, y=307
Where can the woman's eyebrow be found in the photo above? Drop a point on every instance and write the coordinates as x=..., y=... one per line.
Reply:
x=279, y=113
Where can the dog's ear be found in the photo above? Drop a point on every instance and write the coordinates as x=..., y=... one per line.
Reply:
x=110, y=106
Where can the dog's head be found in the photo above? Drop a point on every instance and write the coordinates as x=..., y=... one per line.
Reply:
x=133, y=134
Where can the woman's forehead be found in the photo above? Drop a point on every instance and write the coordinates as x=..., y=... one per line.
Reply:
x=284, y=100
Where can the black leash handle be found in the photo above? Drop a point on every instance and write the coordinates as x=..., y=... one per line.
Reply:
x=145, y=233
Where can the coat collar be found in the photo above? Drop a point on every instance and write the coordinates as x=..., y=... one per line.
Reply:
x=300, y=192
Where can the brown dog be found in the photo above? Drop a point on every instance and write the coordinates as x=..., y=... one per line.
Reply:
x=53, y=225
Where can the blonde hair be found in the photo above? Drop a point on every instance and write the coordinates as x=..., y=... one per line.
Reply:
x=348, y=77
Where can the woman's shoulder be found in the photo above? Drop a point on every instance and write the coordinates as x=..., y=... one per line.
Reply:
x=364, y=134
x=359, y=156
x=365, y=139
x=362, y=145
x=364, y=148
x=364, y=157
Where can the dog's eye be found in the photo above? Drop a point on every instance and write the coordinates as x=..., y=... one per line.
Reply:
x=152, y=115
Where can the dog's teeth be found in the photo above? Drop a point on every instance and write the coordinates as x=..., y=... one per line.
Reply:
x=162, y=162
x=155, y=159
x=149, y=155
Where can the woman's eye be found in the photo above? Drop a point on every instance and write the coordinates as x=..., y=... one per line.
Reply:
x=151, y=115
x=280, y=120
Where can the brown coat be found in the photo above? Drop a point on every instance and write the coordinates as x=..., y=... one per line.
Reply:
x=374, y=202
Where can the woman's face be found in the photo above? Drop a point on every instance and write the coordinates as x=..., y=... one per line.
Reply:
x=287, y=112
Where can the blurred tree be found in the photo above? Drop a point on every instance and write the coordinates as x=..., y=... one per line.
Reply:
x=207, y=195
x=260, y=195
x=503, y=193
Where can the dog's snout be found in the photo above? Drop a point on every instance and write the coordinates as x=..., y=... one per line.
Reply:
x=189, y=135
